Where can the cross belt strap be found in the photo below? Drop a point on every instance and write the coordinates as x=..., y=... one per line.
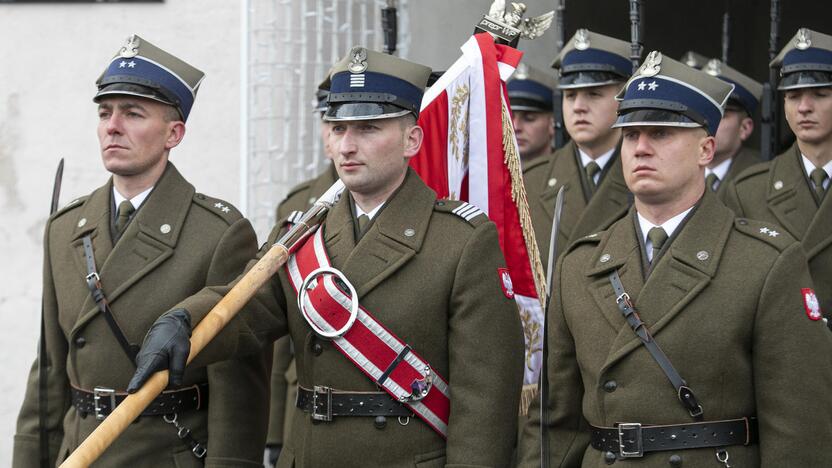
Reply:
x=683, y=392
x=382, y=356
x=628, y=440
x=323, y=403
x=94, y=285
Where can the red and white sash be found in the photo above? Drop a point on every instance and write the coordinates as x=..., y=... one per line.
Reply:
x=374, y=349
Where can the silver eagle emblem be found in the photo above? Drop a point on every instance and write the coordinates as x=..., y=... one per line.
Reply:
x=131, y=47
x=530, y=28
x=714, y=67
x=358, y=60
x=803, y=40
x=652, y=64
x=582, y=39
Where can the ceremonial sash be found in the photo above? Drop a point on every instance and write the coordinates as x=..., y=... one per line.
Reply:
x=374, y=349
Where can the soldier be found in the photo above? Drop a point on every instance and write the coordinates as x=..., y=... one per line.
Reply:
x=792, y=189
x=115, y=260
x=530, y=94
x=592, y=68
x=682, y=336
x=426, y=273
x=284, y=374
x=731, y=157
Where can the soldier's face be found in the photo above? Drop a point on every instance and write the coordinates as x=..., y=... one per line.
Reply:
x=665, y=164
x=135, y=134
x=534, y=131
x=371, y=156
x=734, y=128
x=809, y=113
x=589, y=113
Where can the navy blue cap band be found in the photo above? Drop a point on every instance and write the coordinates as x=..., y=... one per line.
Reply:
x=595, y=60
x=144, y=72
x=812, y=58
x=530, y=89
x=743, y=96
x=407, y=95
x=659, y=92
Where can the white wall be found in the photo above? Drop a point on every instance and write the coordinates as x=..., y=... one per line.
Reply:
x=50, y=56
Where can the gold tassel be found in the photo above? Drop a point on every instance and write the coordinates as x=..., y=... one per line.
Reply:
x=526, y=396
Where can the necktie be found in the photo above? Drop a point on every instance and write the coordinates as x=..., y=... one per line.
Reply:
x=711, y=180
x=657, y=237
x=125, y=209
x=363, y=221
x=818, y=176
x=591, y=169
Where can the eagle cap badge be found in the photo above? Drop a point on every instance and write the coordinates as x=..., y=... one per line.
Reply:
x=131, y=47
x=652, y=64
x=582, y=39
x=358, y=60
x=522, y=72
x=714, y=67
x=803, y=40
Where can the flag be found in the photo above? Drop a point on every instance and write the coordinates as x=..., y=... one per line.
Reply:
x=470, y=153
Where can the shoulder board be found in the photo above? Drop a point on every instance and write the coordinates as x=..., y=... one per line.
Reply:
x=751, y=171
x=593, y=238
x=70, y=206
x=537, y=162
x=470, y=213
x=769, y=233
x=221, y=208
x=299, y=187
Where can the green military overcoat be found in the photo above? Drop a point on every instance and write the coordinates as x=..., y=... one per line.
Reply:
x=779, y=192
x=745, y=158
x=284, y=374
x=430, y=277
x=178, y=242
x=544, y=176
x=725, y=304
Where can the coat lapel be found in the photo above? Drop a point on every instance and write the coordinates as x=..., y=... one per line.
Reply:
x=564, y=170
x=789, y=196
x=607, y=205
x=819, y=233
x=681, y=274
x=146, y=243
x=386, y=246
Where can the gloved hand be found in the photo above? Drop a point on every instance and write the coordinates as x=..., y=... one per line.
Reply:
x=166, y=346
x=272, y=454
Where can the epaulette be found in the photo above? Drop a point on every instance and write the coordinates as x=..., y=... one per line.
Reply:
x=537, y=162
x=221, y=208
x=70, y=206
x=769, y=233
x=750, y=171
x=593, y=238
x=297, y=188
x=470, y=213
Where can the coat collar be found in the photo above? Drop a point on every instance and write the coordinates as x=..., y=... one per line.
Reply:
x=563, y=169
x=386, y=246
x=789, y=196
x=148, y=241
x=745, y=158
x=682, y=272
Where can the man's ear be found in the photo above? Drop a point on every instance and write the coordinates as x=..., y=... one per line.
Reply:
x=707, y=148
x=746, y=128
x=413, y=140
x=176, y=132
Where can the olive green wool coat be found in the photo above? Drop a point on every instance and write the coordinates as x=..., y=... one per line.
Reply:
x=284, y=374
x=431, y=278
x=724, y=302
x=745, y=158
x=779, y=192
x=178, y=242
x=544, y=176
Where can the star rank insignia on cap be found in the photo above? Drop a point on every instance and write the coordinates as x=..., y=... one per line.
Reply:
x=811, y=304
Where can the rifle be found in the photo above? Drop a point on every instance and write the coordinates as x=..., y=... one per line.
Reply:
x=770, y=131
x=389, y=25
x=43, y=435
x=726, y=32
x=557, y=95
x=635, y=33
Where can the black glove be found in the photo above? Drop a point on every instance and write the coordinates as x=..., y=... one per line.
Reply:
x=166, y=346
x=272, y=454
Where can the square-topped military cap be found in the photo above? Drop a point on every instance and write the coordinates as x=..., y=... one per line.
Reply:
x=368, y=85
x=664, y=92
x=747, y=92
x=805, y=61
x=592, y=59
x=531, y=89
x=142, y=69
x=694, y=59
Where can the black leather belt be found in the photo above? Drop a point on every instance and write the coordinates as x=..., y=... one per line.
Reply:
x=102, y=401
x=628, y=440
x=323, y=403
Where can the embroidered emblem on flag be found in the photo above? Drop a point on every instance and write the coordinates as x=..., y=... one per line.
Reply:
x=811, y=304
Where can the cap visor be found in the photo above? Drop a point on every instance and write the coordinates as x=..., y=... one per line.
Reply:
x=654, y=118
x=805, y=79
x=586, y=79
x=362, y=111
x=130, y=89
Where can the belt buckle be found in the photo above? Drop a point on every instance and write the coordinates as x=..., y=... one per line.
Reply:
x=100, y=393
x=322, y=396
x=629, y=436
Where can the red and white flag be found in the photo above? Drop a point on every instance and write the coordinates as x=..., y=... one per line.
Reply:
x=470, y=153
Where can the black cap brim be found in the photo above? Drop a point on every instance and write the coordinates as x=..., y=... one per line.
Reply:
x=654, y=118
x=362, y=111
x=130, y=89
x=805, y=79
x=586, y=79
x=529, y=105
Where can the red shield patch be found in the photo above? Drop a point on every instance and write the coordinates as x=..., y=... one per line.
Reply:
x=811, y=304
x=505, y=282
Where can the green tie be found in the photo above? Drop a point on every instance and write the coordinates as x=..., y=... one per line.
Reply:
x=363, y=221
x=711, y=181
x=591, y=169
x=818, y=176
x=657, y=237
x=125, y=209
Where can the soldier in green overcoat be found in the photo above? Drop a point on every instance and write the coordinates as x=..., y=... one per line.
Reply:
x=592, y=68
x=426, y=269
x=530, y=93
x=792, y=190
x=681, y=335
x=153, y=240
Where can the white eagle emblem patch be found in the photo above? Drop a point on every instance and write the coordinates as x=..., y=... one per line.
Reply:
x=505, y=282
x=810, y=302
